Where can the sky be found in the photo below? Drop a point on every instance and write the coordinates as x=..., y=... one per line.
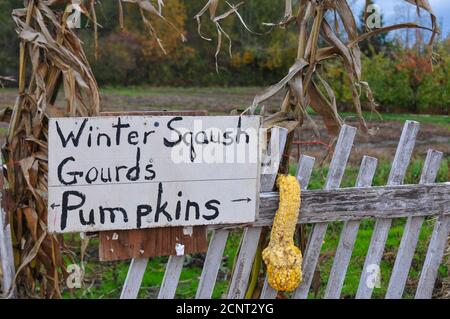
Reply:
x=391, y=12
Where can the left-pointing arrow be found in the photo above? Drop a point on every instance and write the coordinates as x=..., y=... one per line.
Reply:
x=53, y=206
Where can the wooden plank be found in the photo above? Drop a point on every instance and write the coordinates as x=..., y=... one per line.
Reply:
x=335, y=173
x=133, y=281
x=171, y=277
x=212, y=264
x=348, y=235
x=411, y=233
x=157, y=180
x=304, y=170
x=382, y=225
x=6, y=249
x=250, y=239
x=243, y=266
x=433, y=259
x=137, y=267
x=158, y=113
x=345, y=204
x=136, y=243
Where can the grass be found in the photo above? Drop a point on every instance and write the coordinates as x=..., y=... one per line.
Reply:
x=104, y=280
x=132, y=91
x=402, y=117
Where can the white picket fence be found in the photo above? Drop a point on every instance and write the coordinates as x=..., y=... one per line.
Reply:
x=349, y=205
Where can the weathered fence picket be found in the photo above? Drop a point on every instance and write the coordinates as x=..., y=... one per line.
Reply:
x=319, y=207
x=130, y=289
x=250, y=239
x=212, y=264
x=382, y=225
x=336, y=172
x=348, y=235
x=433, y=259
x=411, y=233
x=171, y=277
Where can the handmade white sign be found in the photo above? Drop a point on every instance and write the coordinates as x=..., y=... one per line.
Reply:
x=132, y=172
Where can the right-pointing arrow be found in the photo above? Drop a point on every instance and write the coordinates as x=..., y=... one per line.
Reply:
x=241, y=200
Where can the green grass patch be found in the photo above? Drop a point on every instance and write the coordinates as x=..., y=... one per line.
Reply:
x=151, y=90
x=399, y=117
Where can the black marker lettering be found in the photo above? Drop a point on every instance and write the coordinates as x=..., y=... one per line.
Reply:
x=142, y=210
x=135, y=169
x=90, y=179
x=209, y=205
x=111, y=214
x=71, y=137
x=91, y=220
x=118, y=168
x=103, y=178
x=161, y=208
x=190, y=204
x=152, y=173
x=119, y=126
x=239, y=132
x=65, y=207
x=169, y=126
x=132, y=136
x=74, y=174
x=108, y=139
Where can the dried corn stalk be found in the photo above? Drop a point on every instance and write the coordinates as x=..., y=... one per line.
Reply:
x=52, y=55
x=304, y=86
